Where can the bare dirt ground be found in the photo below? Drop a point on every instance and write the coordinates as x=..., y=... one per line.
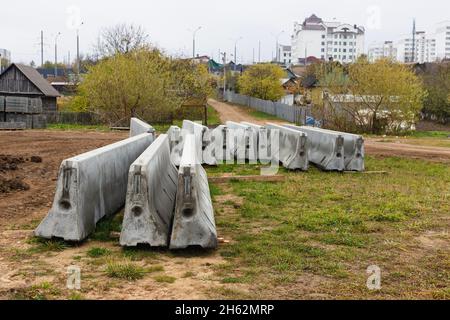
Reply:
x=228, y=112
x=374, y=146
x=29, y=163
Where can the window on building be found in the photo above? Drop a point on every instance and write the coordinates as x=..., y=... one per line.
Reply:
x=323, y=36
x=345, y=43
x=344, y=57
x=322, y=50
x=344, y=50
x=335, y=49
x=323, y=43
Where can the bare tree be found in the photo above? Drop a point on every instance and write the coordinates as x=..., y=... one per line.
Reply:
x=121, y=38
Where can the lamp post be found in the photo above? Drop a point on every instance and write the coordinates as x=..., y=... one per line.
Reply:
x=277, y=37
x=78, y=48
x=56, y=54
x=194, y=33
x=235, y=51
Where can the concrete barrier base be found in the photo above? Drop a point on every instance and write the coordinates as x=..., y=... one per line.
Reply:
x=194, y=223
x=151, y=194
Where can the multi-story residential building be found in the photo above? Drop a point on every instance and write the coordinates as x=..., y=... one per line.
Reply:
x=420, y=50
x=442, y=36
x=5, y=59
x=285, y=55
x=385, y=50
x=327, y=40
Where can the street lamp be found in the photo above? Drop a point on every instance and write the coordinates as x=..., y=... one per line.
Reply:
x=78, y=47
x=56, y=54
x=194, y=33
x=235, y=51
x=277, y=37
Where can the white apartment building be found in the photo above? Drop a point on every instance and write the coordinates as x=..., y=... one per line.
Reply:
x=285, y=55
x=385, y=50
x=442, y=36
x=424, y=49
x=327, y=40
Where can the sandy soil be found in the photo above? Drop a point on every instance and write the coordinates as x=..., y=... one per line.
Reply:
x=374, y=146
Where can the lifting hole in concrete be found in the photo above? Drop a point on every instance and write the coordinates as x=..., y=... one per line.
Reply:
x=137, y=211
x=65, y=205
x=188, y=212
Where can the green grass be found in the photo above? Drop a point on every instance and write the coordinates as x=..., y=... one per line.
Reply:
x=213, y=117
x=330, y=224
x=77, y=127
x=98, y=252
x=41, y=245
x=262, y=115
x=431, y=134
x=164, y=279
x=105, y=228
x=42, y=291
x=126, y=271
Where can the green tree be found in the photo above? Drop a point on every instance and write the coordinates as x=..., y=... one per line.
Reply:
x=436, y=80
x=142, y=83
x=376, y=97
x=262, y=81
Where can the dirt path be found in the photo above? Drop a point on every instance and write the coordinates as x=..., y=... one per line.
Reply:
x=228, y=112
x=389, y=149
x=373, y=146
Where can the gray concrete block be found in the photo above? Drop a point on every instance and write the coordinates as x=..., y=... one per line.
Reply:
x=151, y=194
x=354, y=151
x=194, y=223
x=215, y=142
x=199, y=131
x=91, y=186
x=293, y=147
x=138, y=127
x=245, y=142
x=326, y=149
x=176, y=142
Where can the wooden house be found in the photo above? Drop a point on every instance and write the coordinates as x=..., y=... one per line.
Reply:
x=24, y=81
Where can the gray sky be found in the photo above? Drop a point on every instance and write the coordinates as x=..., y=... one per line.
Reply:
x=167, y=22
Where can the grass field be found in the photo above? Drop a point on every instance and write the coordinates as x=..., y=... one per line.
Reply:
x=330, y=227
x=312, y=236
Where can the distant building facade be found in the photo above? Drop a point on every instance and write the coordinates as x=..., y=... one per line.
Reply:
x=327, y=40
x=442, y=36
x=421, y=49
x=285, y=55
x=5, y=58
x=386, y=50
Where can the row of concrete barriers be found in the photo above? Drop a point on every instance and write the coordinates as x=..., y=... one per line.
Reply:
x=293, y=146
x=163, y=206
x=166, y=206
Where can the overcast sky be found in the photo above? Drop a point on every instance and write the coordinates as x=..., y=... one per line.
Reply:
x=167, y=22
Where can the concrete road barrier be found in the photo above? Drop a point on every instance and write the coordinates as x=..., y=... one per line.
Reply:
x=293, y=147
x=200, y=133
x=326, y=149
x=138, y=127
x=150, y=200
x=194, y=223
x=91, y=186
x=176, y=142
x=354, y=151
x=263, y=144
x=245, y=142
x=215, y=142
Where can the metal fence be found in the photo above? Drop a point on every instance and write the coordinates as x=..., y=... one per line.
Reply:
x=294, y=114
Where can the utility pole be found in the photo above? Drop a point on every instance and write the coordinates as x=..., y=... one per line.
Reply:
x=253, y=59
x=78, y=48
x=259, y=51
x=42, y=48
x=194, y=33
x=277, y=46
x=56, y=54
x=235, y=52
x=414, y=42
x=224, y=75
